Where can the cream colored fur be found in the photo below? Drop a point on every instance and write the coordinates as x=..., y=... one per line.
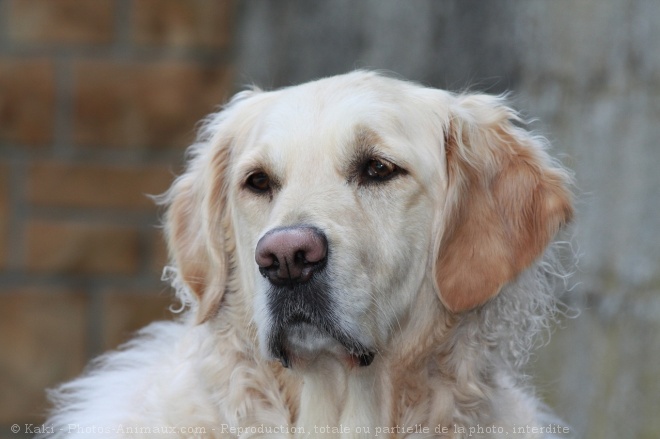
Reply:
x=443, y=270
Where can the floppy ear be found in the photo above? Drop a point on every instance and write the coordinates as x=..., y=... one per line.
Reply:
x=198, y=229
x=505, y=202
x=198, y=224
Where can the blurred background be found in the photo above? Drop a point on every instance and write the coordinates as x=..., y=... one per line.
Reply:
x=99, y=98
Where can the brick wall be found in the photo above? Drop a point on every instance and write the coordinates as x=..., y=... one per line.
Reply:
x=98, y=100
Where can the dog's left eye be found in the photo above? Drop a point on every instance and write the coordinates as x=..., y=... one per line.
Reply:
x=259, y=182
x=379, y=170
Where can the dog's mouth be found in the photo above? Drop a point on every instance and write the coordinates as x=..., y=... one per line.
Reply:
x=305, y=327
x=300, y=341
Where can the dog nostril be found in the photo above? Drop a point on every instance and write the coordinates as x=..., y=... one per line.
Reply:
x=299, y=257
x=266, y=259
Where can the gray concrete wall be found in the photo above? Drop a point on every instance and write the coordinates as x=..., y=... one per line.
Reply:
x=589, y=70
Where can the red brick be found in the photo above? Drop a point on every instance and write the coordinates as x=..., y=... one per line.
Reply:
x=81, y=248
x=159, y=256
x=124, y=312
x=61, y=21
x=42, y=343
x=4, y=213
x=27, y=101
x=144, y=105
x=96, y=186
x=176, y=23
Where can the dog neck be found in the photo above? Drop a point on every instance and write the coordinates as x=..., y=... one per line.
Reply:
x=339, y=401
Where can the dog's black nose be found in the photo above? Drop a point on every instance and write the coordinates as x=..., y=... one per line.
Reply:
x=291, y=255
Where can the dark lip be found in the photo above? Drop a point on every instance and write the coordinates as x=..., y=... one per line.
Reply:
x=361, y=355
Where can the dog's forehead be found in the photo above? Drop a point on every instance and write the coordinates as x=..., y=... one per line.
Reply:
x=331, y=109
x=323, y=121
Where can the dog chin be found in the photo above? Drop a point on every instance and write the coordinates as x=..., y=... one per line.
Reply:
x=300, y=345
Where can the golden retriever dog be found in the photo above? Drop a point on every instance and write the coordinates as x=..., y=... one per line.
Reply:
x=358, y=256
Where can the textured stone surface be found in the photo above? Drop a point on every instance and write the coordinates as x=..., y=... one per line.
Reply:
x=61, y=21
x=60, y=184
x=190, y=24
x=603, y=366
x=27, y=100
x=4, y=213
x=158, y=252
x=81, y=248
x=144, y=105
x=124, y=312
x=97, y=101
x=42, y=331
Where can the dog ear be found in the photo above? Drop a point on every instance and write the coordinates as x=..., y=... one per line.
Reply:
x=505, y=202
x=197, y=227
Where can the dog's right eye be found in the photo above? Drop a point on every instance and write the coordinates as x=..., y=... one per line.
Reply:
x=259, y=182
x=377, y=170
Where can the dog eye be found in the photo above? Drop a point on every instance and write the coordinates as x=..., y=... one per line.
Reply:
x=379, y=170
x=259, y=182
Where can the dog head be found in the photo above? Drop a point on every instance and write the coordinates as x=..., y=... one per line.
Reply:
x=331, y=206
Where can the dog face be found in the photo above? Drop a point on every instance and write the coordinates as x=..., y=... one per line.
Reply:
x=333, y=205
